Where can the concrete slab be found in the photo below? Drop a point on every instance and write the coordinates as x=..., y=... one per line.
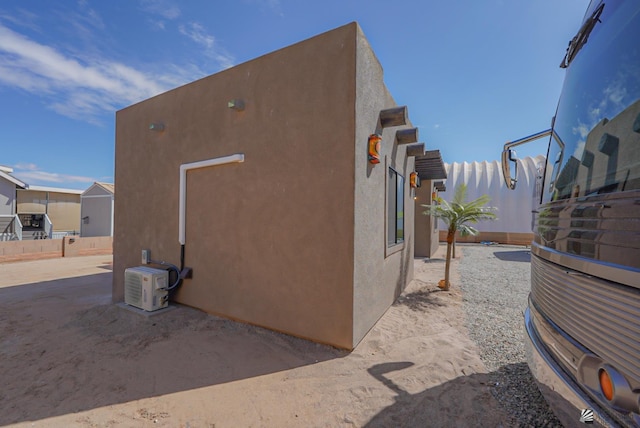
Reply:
x=147, y=314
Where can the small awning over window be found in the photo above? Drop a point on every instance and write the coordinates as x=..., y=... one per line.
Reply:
x=439, y=186
x=430, y=166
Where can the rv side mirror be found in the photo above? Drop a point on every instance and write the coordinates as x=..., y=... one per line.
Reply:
x=509, y=157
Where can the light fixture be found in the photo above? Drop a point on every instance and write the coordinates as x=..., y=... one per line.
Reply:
x=374, y=148
x=157, y=126
x=414, y=180
x=236, y=104
x=606, y=384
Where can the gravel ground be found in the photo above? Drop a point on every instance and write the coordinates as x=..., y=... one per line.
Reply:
x=495, y=285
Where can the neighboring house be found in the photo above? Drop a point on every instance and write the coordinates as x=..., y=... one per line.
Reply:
x=514, y=207
x=96, y=210
x=300, y=233
x=8, y=186
x=61, y=206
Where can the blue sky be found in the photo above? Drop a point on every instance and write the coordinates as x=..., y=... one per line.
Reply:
x=473, y=73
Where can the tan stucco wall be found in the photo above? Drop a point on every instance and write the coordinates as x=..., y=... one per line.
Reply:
x=293, y=238
x=427, y=236
x=13, y=251
x=31, y=202
x=270, y=240
x=63, y=209
x=74, y=246
x=380, y=273
x=69, y=246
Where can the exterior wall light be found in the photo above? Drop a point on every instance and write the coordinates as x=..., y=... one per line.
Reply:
x=158, y=127
x=414, y=180
x=437, y=187
x=374, y=148
x=236, y=104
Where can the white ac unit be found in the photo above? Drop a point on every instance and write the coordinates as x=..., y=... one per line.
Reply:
x=146, y=288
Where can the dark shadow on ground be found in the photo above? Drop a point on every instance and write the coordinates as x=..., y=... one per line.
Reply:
x=429, y=260
x=513, y=256
x=456, y=403
x=423, y=299
x=65, y=348
x=474, y=400
x=107, y=266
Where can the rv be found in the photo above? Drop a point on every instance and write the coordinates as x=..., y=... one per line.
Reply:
x=583, y=318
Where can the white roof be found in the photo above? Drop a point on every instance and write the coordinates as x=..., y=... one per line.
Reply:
x=12, y=179
x=107, y=187
x=55, y=189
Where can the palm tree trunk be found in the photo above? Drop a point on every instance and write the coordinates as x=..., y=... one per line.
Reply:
x=454, y=246
x=450, y=242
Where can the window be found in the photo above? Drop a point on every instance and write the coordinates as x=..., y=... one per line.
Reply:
x=598, y=117
x=395, y=208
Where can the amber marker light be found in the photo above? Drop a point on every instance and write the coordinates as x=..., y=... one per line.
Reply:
x=414, y=180
x=374, y=148
x=606, y=385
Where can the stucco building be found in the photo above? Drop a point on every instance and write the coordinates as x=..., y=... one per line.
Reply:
x=8, y=186
x=61, y=206
x=36, y=212
x=280, y=213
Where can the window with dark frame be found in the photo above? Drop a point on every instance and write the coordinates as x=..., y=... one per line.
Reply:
x=395, y=208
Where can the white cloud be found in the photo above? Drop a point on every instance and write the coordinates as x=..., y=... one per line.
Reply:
x=197, y=33
x=86, y=85
x=22, y=18
x=577, y=153
x=157, y=24
x=76, y=88
x=26, y=166
x=31, y=174
x=164, y=8
x=582, y=130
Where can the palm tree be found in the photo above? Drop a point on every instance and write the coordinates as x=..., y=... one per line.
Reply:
x=456, y=215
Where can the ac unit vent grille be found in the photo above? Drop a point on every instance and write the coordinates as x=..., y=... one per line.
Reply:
x=146, y=288
x=133, y=288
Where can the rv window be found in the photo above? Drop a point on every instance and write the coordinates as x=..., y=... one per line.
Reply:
x=598, y=117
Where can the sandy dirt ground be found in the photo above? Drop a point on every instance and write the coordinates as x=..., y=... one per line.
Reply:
x=70, y=358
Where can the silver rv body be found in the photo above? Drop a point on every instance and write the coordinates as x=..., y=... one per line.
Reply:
x=583, y=319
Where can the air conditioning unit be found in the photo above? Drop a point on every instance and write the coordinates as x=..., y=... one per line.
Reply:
x=146, y=288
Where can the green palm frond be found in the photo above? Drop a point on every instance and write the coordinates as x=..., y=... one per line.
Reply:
x=458, y=213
